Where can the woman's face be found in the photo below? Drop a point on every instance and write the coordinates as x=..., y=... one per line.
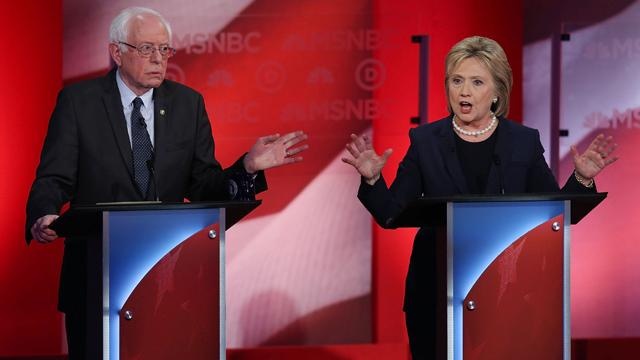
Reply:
x=471, y=92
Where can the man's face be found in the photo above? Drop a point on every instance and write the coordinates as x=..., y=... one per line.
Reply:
x=142, y=73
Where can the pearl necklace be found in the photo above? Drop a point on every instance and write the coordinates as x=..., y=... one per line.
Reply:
x=476, y=133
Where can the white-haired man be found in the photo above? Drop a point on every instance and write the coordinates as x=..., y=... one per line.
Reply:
x=109, y=137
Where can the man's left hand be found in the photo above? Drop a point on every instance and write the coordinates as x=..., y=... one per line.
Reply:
x=275, y=150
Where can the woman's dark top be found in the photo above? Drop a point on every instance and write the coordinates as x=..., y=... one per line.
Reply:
x=476, y=159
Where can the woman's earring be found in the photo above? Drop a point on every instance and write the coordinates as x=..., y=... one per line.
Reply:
x=495, y=100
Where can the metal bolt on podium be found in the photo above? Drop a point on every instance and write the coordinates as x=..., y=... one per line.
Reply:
x=471, y=305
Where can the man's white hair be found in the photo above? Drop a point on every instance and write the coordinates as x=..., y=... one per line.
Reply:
x=119, y=29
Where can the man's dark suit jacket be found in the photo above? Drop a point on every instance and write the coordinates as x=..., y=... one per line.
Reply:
x=431, y=168
x=87, y=159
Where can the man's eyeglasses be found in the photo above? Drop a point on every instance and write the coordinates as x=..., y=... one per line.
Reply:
x=146, y=50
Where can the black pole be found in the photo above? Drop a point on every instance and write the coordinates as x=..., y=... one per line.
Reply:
x=423, y=80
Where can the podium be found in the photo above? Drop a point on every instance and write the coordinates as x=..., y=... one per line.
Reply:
x=155, y=277
x=503, y=272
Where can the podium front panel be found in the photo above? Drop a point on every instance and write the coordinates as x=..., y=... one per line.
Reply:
x=147, y=259
x=485, y=266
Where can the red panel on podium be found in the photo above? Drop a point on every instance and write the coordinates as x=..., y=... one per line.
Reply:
x=175, y=308
x=519, y=296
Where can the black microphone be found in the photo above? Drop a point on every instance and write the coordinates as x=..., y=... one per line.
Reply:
x=152, y=173
x=498, y=163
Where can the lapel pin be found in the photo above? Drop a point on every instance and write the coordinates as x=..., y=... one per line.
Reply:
x=162, y=112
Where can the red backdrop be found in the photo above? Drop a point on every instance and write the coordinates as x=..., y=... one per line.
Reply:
x=31, y=76
x=31, y=72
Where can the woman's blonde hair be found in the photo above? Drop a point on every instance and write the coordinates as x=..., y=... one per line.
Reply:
x=491, y=54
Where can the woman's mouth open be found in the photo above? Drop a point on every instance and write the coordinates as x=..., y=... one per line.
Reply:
x=465, y=107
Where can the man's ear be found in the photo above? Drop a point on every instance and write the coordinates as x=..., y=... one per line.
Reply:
x=116, y=53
